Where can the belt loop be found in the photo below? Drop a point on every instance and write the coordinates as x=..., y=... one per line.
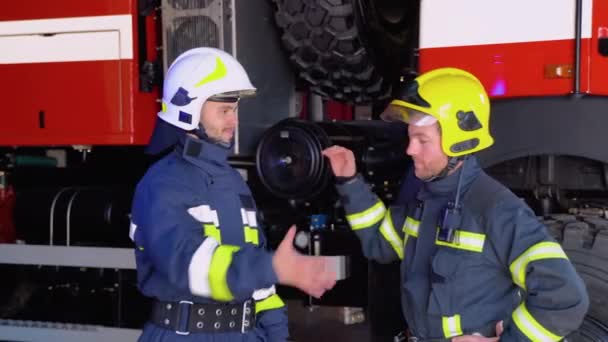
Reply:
x=183, y=311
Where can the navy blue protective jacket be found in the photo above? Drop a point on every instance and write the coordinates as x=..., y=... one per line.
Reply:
x=502, y=265
x=197, y=237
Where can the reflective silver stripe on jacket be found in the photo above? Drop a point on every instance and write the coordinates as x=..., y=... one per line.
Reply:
x=368, y=217
x=469, y=241
x=387, y=229
x=539, y=251
x=530, y=326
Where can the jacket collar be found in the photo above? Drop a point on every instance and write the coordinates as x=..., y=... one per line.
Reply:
x=211, y=157
x=447, y=185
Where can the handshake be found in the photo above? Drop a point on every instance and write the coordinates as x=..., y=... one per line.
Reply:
x=311, y=274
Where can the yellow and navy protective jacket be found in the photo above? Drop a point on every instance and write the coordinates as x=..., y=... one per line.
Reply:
x=198, y=239
x=502, y=265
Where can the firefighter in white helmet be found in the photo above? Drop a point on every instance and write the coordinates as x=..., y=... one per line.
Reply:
x=475, y=261
x=200, y=250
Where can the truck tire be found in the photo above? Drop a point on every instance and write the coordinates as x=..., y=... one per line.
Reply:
x=343, y=55
x=585, y=241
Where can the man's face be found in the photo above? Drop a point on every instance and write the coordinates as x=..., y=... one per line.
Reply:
x=425, y=150
x=219, y=119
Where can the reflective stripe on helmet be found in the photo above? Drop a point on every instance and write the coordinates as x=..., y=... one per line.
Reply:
x=217, y=74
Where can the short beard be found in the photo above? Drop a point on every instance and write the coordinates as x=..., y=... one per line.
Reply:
x=436, y=176
x=202, y=134
x=220, y=142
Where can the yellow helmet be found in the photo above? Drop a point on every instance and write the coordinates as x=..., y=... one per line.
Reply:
x=454, y=98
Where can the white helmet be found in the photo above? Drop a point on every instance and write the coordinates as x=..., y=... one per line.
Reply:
x=194, y=77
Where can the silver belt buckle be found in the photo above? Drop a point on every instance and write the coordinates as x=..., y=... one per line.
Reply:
x=246, y=311
x=179, y=313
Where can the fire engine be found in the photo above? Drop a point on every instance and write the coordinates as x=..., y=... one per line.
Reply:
x=81, y=88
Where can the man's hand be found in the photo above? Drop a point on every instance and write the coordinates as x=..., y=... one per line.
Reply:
x=342, y=161
x=473, y=338
x=313, y=275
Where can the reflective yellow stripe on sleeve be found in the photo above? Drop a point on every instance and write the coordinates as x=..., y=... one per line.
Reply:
x=451, y=326
x=410, y=226
x=388, y=232
x=213, y=231
x=542, y=250
x=530, y=326
x=221, y=260
x=468, y=241
x=368, y=217
x=251, y=235
x=270, y=303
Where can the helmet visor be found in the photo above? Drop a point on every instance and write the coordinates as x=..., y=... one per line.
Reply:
x=232, y=96
x=395, y=112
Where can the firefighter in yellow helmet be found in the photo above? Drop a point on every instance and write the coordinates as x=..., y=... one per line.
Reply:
x=475, y=261
x=451, y=100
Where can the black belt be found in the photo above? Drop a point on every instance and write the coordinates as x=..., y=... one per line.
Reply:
x=186, y=317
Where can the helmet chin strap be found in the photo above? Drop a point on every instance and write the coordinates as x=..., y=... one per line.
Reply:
x=452, y=162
